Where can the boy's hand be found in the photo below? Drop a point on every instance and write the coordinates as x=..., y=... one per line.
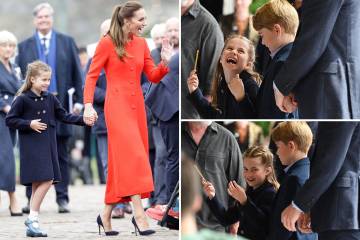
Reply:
x=208, y=189
x=237, y=192
x=38, y=126
x=193, y=81
x=237, y=88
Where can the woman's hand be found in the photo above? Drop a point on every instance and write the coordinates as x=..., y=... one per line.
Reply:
x=208, y=189
x=237, y=88
x=237, y=192
x=166, y=51
x=193, y=81
x=38, y=126
x=90, y=115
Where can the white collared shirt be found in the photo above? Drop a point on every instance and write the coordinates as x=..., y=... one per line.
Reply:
x=47, y=36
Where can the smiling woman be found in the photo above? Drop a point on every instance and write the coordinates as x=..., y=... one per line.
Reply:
x=125, y=56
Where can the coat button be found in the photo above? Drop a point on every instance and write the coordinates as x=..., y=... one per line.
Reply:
x=132, y=93
x=6, y=97
x=38, y=112
x=44, y=111
x=35, y=99
x=132, y=68
x=133, y=106
x=41, y=99
x=131, y=82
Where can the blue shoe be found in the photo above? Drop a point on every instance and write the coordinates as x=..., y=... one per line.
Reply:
x=33, y=229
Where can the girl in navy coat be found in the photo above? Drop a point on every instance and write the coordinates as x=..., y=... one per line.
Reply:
x=253, y=206
x=34, y=113
x=235, y=84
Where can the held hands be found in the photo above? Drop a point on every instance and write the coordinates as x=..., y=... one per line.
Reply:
x=38, y=126
x=193, y=81
x=285, y=103
x=90, y=115
x=237, y=192
x=304, y=223
x=289, y=217
x=237, y=88
x=166, y=51
x=208, y=189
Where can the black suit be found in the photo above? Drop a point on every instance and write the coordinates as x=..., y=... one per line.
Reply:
x=68, y=74
x=332, y=191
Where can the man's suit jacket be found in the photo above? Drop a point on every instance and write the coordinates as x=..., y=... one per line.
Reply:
x=332, y=191
x=323, y=69
x=68, y=70
x=163, y=98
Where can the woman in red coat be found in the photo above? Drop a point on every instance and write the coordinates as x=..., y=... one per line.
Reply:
x=124, y=56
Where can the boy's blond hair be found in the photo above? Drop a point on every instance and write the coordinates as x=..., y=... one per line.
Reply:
x=277, y=12
x=297, y=131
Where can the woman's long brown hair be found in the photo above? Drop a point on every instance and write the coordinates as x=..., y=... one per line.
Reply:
x=120, y=13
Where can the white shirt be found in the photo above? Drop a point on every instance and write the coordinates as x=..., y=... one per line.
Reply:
x=48, y=38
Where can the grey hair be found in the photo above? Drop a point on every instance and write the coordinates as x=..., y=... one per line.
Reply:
x=42, y=6
x=158, y=30
x=7, y=37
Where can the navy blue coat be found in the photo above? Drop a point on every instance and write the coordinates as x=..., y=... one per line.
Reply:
x=265, y=100
x=163, y=98
x=253, y=216
x=332, y=192
x=38, y=151
x=9, y=84
x=68, y=70
x=228, y=106
x=291, y=183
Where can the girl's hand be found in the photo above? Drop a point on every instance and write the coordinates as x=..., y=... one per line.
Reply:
x=237, y=88
x=38, y=126
x=166, y=51
x=90, y=116
x=193, y=81
x=208, y=189
x=6, y=109
x=237, y=192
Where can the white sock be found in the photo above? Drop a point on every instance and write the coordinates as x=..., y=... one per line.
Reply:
x=34, y=215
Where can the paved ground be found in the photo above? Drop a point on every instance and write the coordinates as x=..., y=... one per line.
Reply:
x=86, y=203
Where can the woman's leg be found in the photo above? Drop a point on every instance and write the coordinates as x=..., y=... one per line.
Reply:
x=139, y=213
x=14, y=206
x=106, y=217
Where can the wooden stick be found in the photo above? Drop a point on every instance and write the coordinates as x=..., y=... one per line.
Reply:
x=198, y=171
x=196, y=59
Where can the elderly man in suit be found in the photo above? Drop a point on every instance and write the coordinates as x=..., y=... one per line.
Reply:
x=323, y=69
x=60, y=52
x=331, y=194
x=163, y=101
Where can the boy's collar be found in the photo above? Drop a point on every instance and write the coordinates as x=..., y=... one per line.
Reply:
x=291, y=165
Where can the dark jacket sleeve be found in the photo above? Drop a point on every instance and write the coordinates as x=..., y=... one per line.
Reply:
x=13, y=118
x=77, y=74
x=247, y=105
x=62, y=115
x=318, y=19
x=327, y=150
x=203, y=106
x=226, y=217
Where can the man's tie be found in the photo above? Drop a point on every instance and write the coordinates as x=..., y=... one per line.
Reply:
x=44, y=48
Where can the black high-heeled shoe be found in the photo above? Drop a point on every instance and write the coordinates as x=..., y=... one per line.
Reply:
x=15, y=214
x=108, y=233
x=137, y=229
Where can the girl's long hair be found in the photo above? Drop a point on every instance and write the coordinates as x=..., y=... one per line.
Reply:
x=120, y=13
x=266, y=159
x=219, y=71
x=33, y=70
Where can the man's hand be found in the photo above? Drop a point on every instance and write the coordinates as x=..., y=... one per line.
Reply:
x=289, y=217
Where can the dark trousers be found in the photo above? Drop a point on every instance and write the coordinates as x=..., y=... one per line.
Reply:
x=61, y=188
x=340, y=235
x=170, y=134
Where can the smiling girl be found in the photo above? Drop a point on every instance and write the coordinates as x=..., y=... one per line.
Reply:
x=253, y=205
x=235, y=84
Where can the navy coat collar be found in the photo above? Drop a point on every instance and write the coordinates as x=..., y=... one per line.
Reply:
x=31, y=94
